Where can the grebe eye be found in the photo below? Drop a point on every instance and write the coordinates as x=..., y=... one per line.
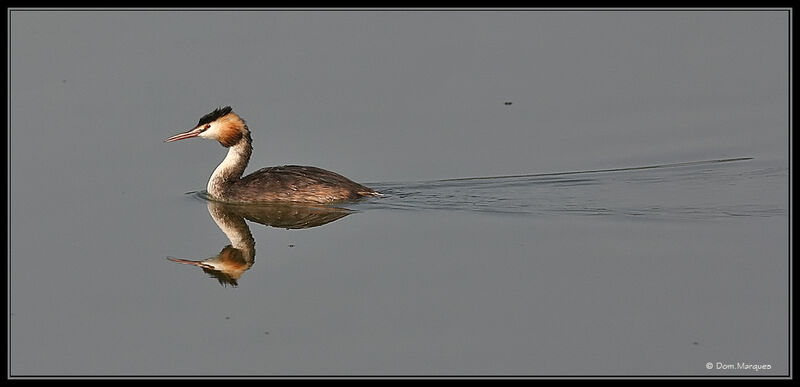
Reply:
x=207, y=126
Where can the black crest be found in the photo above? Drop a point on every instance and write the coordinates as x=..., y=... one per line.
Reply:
x=213, y=116
x=223, y=278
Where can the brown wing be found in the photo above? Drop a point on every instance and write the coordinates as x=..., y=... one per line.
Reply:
x=297, y=183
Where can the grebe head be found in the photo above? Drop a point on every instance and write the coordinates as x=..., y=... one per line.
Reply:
x=227, y=267
x=221, y=124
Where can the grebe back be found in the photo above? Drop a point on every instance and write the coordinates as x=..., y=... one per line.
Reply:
x=288, y=183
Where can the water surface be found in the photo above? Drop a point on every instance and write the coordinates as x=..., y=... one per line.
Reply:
x=566, y=193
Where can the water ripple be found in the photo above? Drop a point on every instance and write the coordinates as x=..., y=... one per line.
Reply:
x=720, y=188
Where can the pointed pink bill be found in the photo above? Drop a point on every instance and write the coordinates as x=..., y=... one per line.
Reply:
x=180, y=136
x=188, y=262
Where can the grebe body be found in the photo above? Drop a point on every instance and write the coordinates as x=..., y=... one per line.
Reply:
x=288, y=183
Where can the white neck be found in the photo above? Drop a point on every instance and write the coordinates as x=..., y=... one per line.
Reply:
x=230, y=169
x=234, y=227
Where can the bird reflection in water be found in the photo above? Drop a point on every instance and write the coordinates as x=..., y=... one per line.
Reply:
x=229, y=265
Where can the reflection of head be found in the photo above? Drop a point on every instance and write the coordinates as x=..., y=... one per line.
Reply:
x=239, y=256
x=223, y=278
x=226, y=267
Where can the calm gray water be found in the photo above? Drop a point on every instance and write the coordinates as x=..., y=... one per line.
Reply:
x=566, y=193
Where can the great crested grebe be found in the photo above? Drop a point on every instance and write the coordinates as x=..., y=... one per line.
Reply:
x=288, y=183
